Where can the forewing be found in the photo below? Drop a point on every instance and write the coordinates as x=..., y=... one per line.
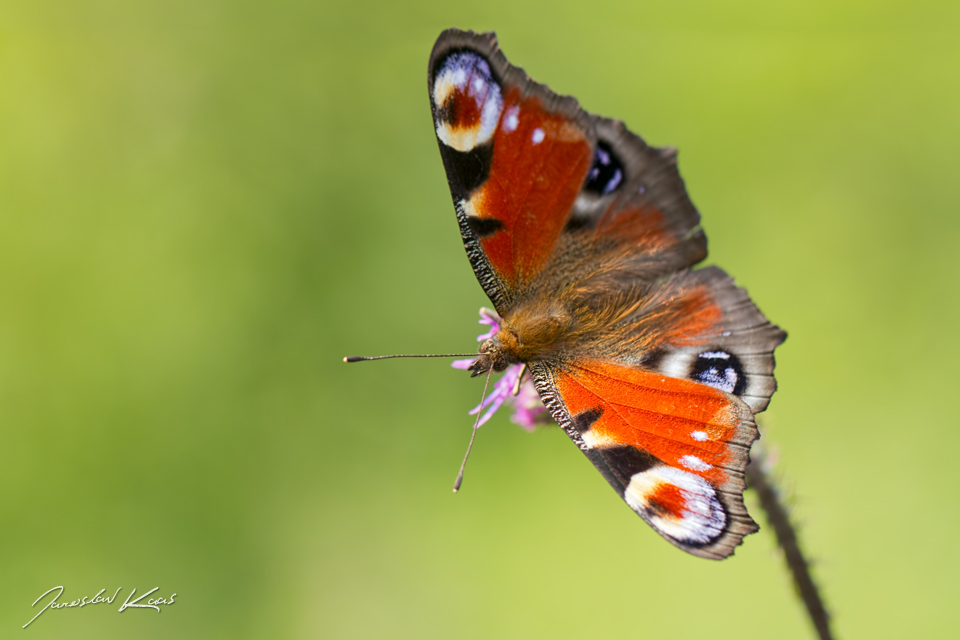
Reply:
x=675, y=450
x=526, y=165
x=516, y=156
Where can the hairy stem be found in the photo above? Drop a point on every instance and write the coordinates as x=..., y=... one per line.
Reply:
x=758, y=479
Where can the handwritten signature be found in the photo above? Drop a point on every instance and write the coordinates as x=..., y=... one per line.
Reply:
x=152, y=603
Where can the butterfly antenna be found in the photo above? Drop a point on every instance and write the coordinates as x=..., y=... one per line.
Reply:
x=476, y=425
x=410, y=355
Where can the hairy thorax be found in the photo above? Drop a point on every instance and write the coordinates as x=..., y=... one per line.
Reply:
x=588, y=297
x=542, y=329
x=534, y=331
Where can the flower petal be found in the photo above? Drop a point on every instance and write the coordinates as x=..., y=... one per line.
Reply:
x=528, y=410
x=462, y=364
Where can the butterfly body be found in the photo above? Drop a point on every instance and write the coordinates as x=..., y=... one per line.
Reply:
x=584, y=239
x=563, y=318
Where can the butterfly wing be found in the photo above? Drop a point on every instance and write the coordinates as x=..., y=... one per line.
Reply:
x=515, y=154
x=670, y=425
x=674, y=450
x=729, y=344
x=526, y=165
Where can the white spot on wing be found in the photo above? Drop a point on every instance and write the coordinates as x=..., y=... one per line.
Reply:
x=490, y=115
x=467, y=207
x=538, y=135
x=677, y=364
x=721, y=355
x=595, y=441
x=511, y=119
x=695, y=463
x=699, y=436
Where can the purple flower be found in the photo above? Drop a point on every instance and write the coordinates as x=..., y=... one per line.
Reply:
x=528, y=411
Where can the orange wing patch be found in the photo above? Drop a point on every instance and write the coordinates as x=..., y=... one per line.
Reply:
x=539, y=162
x=681, y=423
x=644, y=228
x=675, y=450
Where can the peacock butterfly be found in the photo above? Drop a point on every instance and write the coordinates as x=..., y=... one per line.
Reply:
x=584, y=239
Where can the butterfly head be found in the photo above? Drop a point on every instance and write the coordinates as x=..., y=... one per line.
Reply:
x=493, y=354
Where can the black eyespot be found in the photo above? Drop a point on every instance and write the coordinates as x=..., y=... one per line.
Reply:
x=606, y=173
x=720, y=370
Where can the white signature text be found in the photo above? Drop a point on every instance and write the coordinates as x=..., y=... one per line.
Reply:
x=129, y=603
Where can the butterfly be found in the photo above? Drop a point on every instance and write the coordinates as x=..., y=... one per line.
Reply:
x=584, y=239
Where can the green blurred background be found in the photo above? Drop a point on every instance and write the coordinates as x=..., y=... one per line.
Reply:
x=205, y=205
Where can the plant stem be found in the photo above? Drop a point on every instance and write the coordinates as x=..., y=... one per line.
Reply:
x=758, y=479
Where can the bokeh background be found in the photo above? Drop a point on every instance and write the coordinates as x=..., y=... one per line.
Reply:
x=205, y=205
